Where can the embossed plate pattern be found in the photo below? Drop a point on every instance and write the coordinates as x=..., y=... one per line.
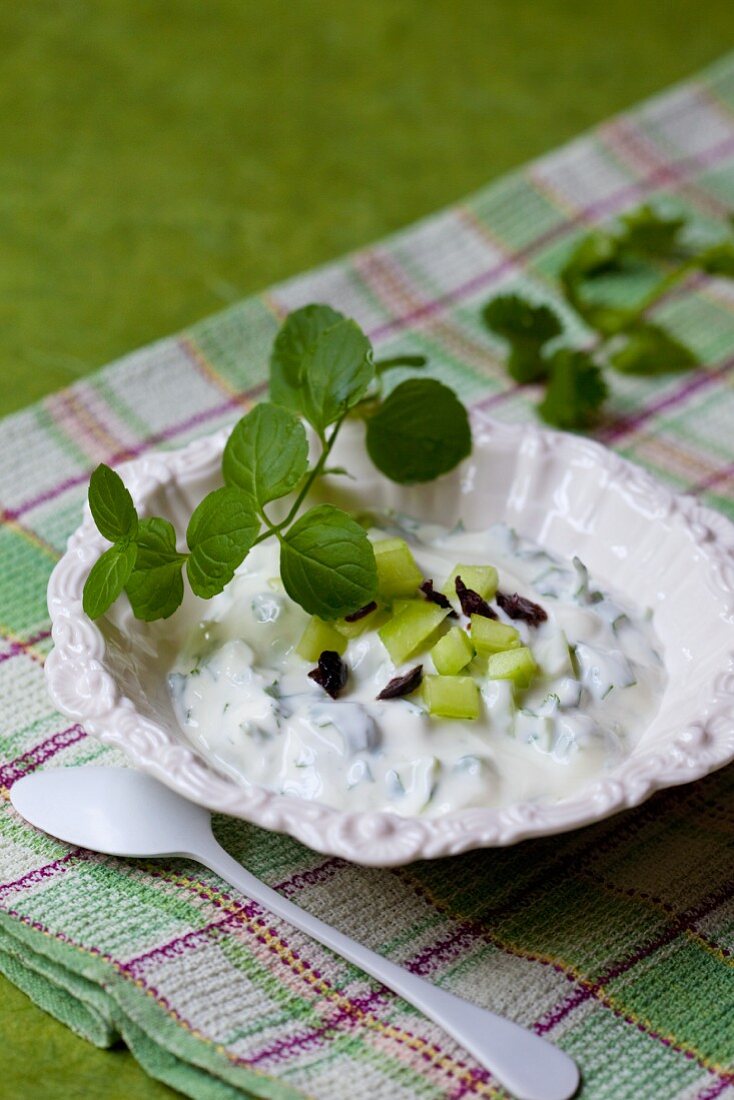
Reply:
x=570, y=494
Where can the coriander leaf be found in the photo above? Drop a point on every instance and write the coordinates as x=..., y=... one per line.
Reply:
x=414, y=361
x=155, y=586
x=606, y=319
x=526, y=362
x=526, y=327
x=327, y=563
x=111, y=505
x=595, y=254
x=647, y=232
x=337, y=370
x=649, y=349
x=575, y=391
x=267, y=453
x=514, y=317
x=718, y=260
x=220, y=534
x=107, y=578
x=419, y=432
x=298, y=332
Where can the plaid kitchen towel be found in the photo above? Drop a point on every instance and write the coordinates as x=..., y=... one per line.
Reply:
x=616, y=942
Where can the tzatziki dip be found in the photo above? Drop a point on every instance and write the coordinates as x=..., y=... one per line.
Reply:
x=506, y=675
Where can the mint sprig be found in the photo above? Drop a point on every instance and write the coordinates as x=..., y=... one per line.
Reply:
x=155, y=588
x=327, y=563
x=108, y=577
x=419, y=432
x=220, y=534
x=623, y=337
x=322, y=370
x=112, y=506
x=267, y=454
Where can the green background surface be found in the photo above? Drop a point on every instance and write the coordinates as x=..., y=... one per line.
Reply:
x=160, y=160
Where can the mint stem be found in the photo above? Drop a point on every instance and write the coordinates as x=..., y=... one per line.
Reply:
x=318, y=470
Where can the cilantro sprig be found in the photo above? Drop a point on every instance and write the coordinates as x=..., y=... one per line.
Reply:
x=322, y=371
x=647, y=245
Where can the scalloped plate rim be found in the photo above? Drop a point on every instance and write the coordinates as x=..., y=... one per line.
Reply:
x=378, y=838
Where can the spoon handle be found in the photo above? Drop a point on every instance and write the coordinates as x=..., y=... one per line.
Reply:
x=528, y=1066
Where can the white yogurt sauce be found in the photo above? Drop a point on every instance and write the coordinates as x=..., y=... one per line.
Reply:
x=243, y=695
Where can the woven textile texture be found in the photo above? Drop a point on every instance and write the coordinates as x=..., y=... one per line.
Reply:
x=617, y=942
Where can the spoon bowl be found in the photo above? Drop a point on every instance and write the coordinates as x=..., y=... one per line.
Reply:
x=117, y=811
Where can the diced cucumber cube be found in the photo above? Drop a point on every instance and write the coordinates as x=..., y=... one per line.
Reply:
x=601, y=670
x=451, y=696
x=553, y=656
x=452, y=652
x=490, y=636
x=535, y=729
x=317, y=637
x=400, y=605
x=480, y=578
x=413, y=629
x=517, y=665
x=368, y=622
x=499, y=700
x=397, y=572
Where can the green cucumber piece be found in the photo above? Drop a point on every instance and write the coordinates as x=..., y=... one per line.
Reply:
x=317, y=637
x=452, y=652
x=517, y=665
x=367, y=622
x=490, y=636
x=397, y=571
x=452, y=696
x=482, y=579
x=399, y=605
x=414, y=628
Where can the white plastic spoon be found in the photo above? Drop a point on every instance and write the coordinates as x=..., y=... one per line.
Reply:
x=123, y=812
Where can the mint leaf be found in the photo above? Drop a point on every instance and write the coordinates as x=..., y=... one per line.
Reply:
x=327, y=563
x=649, y=349
x=718, y=260
x=107, y=578
x=414, y=361
x=419, y=432
x=300, y=330
x=527, y=328
x=575, y=391
x=267, y=453
x=336, y=372
x=649, y=233
x=155, y=586
x=111, y=505
x=220, y=534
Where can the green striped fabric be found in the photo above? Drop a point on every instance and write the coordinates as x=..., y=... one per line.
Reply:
x=616, y=942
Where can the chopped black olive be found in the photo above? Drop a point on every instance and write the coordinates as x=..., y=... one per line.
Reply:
x=471, y=602
x=403, y=685
x=357, y=615
x=438, y=598
x=331, y=673
x=517, y=607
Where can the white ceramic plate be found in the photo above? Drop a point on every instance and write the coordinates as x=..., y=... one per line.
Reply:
x=569, y=494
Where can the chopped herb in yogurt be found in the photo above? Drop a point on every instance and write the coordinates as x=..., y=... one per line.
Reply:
x=416, y=704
